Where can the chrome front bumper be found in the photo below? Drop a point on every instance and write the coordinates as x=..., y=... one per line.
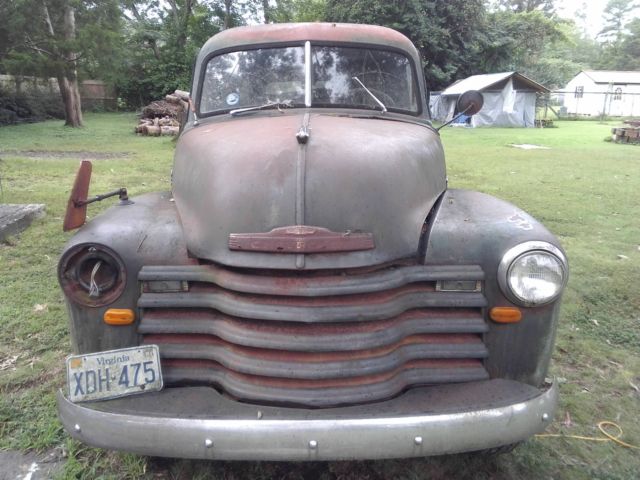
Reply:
x=200, y=423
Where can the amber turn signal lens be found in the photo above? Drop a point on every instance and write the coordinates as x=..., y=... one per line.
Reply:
x=119, y=316
x=505, y=314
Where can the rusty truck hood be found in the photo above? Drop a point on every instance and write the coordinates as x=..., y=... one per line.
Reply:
x=374, y=178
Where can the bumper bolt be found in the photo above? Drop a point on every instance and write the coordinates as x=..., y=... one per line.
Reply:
x=208, y=443
x=313, y=444
x=417, y=440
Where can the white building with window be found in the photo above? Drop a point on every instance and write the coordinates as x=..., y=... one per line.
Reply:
x=594, y=92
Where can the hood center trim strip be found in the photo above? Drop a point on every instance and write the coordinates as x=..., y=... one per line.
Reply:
x=301, y=174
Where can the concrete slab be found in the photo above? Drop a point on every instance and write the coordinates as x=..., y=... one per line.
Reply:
x=29, y=466
x=15, y=217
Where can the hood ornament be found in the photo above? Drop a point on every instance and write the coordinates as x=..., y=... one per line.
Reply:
x=303, y=135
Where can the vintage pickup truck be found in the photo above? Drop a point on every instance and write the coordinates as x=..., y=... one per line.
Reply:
x=310, y=288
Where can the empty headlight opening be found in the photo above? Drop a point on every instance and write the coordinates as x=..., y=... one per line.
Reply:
x=92, y=275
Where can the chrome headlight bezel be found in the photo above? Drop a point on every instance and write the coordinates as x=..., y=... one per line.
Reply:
x=528, y=248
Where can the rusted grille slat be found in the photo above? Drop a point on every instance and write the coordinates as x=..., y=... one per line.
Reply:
x=327, y=392
x=312, y=337
x=352, y=308
x=314, y=365
x=285, y=283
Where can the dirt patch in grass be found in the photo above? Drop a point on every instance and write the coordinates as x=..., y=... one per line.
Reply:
x=44, y=377
x=64, y=155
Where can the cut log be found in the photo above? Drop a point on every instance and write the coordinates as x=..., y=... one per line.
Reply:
x=626, y=134
x=173, y=99
x=168, y=122
x=173, y=131
x=152, y=130
x=182, y=94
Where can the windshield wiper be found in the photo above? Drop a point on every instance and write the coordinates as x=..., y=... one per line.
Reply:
x=384, y=109
x=266, y=106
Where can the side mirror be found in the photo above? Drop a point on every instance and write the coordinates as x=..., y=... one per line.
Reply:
x=76, y=213
x=470, y=102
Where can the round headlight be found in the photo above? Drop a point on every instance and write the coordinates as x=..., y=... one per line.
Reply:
x=92, y=275
x=533, y=273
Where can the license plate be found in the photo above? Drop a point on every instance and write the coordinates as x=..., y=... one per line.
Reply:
x=115, y=373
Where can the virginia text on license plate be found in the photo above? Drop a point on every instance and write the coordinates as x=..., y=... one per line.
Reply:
x=115, y=373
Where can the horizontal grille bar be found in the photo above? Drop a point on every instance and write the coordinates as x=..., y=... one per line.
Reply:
x=312, y=337
x=314, y=365
x=284, y=283
x=351, y=308
x=323, y=393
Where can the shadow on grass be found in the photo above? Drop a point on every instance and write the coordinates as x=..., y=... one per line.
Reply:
x=463, y=466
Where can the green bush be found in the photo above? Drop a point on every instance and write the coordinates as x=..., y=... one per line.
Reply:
x=33, y=106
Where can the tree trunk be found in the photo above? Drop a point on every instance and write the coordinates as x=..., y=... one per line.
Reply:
x=227, y=14
x=266, y=9
x=66, y=74
x=71, y=99
x=73, y=105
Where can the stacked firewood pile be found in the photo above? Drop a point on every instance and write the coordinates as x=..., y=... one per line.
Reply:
x=154, y=127
x=163, y=117
x=544, y=123
x=629, y=133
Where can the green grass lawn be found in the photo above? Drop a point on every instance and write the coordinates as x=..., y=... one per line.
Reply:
x=586, y=190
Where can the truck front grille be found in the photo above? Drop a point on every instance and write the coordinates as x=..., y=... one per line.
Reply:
x=314, y=339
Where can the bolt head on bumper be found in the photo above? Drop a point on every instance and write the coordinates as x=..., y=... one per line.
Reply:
x=366, y=432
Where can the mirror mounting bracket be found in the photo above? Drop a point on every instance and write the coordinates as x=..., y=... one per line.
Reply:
x=121, y=193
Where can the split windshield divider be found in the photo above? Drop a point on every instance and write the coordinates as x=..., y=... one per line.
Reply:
x=307, y=74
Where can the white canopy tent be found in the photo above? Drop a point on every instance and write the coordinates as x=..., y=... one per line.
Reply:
x=509, y=100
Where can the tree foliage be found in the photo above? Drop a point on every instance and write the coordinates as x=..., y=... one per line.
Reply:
x=522, y=6
x=615, y=16
x=146, y=48
x=162, y=38
x=630, y=47
x=59, y=38
x=280, y=11
x=618, y=36
x=527, y=42
x=159, y=43
x=445, y=32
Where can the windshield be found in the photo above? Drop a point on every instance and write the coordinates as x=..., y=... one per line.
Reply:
x=340, y=77
x=254, y=77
